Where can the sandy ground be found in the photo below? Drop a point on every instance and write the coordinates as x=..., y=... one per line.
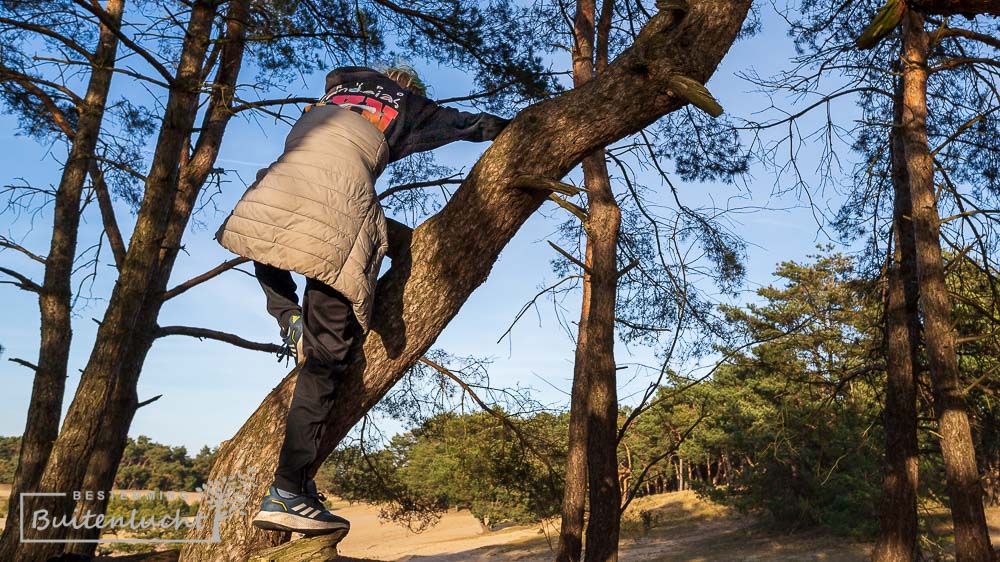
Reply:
x=679, y=527
x=682, y=528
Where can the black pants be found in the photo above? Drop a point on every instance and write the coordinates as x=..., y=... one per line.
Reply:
x=326, y=341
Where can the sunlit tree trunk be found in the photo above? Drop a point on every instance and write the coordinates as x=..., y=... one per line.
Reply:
x=193, y=173
x=972, y=541
x=68, y=463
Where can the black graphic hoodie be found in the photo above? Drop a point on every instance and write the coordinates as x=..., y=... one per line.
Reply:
x=410, y=122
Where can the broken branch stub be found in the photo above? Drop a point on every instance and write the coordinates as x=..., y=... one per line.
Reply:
x=695, y=93
x=545, y=184
x=882, y=24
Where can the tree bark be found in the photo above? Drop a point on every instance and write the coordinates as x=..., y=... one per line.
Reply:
x=898, y=532
x=193, y=173
x=67, y=465
x=55, y=299
x=603, y=224
x=597, y=334
x=570, y=546
x=315, y=549
x=972, y=541
x=453, y=252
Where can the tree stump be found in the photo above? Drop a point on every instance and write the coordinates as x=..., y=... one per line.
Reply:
x=313, y=549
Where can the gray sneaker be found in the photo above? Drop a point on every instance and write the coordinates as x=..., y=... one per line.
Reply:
x=304, y=513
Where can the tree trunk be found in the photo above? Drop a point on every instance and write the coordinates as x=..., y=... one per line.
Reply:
x=603, y=222
x=55, y=299
x=570, y=547
x=114, y=431
x=70, y=455
x=602, y=226
x=972, y=541
x=452, y=252
x=898, y=532
x=571, y=528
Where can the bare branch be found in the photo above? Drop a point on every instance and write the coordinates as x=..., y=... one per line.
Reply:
x=148, y=402
x=454, y=179
x=247, y=105
x=22, y=281
x=23, y=363
x=502, y=418
x=48, y=32
x=115, y=239
x=205, y=333
x=569, y=256
x=571, y=207
x=546, y=184
x=8, y=243
x=195, y=281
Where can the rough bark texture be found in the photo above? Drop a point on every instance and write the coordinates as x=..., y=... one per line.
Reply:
x=602, y=401
x=452, y=253
x=972, y=541
x=316, y=549
x=898, y=532
x=55, y=299
x=67, y=465
x=113, y=435
x=570, y=546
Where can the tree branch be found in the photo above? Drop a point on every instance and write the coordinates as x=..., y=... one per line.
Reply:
x=148, y=402
x=545, y=184
x=8, y=243
x=205, y=333
x=210, y=274
x=23, y=363
x=569, y=256
x=22, y=281
x=118, y=249
x=113, y=26
x=450, y=180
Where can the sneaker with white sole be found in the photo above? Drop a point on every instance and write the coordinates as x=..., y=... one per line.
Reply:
x=304, y=513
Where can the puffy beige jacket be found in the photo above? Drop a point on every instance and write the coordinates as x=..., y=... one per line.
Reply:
x=314, y=211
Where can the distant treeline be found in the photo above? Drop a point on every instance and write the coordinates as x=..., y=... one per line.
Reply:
x=145, y=465
x=790, y=426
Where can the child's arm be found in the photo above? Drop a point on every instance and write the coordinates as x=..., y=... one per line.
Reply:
x=438, y=125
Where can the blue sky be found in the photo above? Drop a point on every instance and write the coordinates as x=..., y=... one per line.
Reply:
x=210, y=388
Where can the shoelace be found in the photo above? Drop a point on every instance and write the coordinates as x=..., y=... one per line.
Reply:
x=285, y=352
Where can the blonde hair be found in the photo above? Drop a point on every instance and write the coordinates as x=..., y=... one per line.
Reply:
x=407, y=77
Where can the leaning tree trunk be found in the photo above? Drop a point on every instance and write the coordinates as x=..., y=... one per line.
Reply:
x=67, y=465
x=972, y=540
x=898, y=531
x=55, y=297
x=194, y=172
x=452, y=253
